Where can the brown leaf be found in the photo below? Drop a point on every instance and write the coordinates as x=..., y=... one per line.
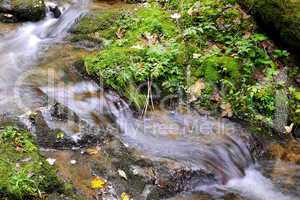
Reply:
x=161, y=183
x=149, y=39
x=227, y=110
x=120, y=33
x=247, y=35
x=266, y=44
x=196, y=89
x=92, y=151
x=216, y=97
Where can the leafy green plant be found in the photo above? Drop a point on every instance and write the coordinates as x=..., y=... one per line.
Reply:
x=23, y=172
x=211, y=40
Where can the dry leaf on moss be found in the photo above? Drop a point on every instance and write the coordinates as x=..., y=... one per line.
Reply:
x=196, y=89
x=227, y=110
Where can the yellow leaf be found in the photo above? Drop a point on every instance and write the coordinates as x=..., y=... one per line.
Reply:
x=92, y=151
x=125, y=196
x=98, y=183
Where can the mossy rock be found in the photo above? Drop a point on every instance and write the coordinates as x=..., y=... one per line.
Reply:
x=24, y=174
x=280, y=17
x=24, y=10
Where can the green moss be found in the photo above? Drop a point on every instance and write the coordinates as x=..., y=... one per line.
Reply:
x=32, y=10
x=278, y=16
x=23, y=172
x=147, y=51
x=173, y=44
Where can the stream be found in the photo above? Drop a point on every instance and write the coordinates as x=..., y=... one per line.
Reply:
x=34, y=60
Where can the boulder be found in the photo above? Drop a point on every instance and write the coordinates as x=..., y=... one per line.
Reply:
x=22, y=10
x=281, y=18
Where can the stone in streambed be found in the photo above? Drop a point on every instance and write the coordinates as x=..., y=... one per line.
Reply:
x=22, y=10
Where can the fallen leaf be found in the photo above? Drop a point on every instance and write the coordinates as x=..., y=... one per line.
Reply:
x=98, y=183
x=125, y=196
x=289, y=128
x=149, y=39
x=92, y=151
x=266, y=44
x=120, y=33
x=122, y=174
x=196, y=89
x=247, y=35
x=227, y=110
x=216, y=97
x=161, y=183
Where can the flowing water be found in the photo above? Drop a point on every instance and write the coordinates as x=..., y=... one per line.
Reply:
x=217, y=146
x=20, y=51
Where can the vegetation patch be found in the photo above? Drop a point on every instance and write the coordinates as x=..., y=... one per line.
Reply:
x=24, y=174
x=208, y=53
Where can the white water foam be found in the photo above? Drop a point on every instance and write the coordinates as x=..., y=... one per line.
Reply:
x=257, y=187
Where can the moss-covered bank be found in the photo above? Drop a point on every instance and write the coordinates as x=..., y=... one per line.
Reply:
x=280, y=17
x=24, y=174
x=206, y=53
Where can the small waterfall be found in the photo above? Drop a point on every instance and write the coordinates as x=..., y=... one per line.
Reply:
x=203, y=142
x=216, y=146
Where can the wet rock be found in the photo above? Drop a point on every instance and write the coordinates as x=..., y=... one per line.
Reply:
x=55, y=10
x=57, y=127
x=25, y=10
x=8, y=18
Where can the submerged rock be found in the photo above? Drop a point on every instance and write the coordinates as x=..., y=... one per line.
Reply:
x=25, y=10
x=280, y=18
